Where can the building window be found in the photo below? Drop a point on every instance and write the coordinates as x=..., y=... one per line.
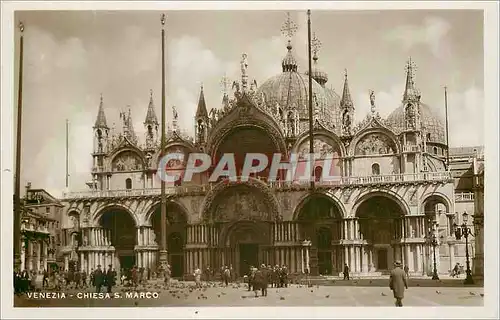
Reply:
x=128, y=184
x=428, y=137
x=435, y=150
x=375, y=169
x=47, y=210
x=318, y=171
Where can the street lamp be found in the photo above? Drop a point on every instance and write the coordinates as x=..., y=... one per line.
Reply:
x=433, y=241
x=464, y=231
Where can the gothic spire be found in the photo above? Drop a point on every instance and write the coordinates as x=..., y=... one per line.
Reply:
x=100, y=122
x=201, y=112
x=411, y=92
x=151, y=114
x=346, y=101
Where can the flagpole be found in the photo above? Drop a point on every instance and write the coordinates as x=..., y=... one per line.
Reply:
x=17, y=189
x=311, y=135
x=67, y=154
x=446, y=120
x=163, y=201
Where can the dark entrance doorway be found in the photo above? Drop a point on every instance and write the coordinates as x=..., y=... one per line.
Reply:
x=249, y=256
x=126, y=261
x=382, y=259
x=176, y=254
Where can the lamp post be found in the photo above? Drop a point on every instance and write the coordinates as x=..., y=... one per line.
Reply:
x=464, y=231
x=433, y=241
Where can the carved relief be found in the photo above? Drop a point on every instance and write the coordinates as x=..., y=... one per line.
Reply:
x=287, y=203
x=241, y=204
x=375, y=144
x=127, y=161
x=195, y=205
x=410, y=116
x=412, y=198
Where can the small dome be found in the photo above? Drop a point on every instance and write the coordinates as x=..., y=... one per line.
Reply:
x=432, y=125
x=319, y=75
x=290, y=89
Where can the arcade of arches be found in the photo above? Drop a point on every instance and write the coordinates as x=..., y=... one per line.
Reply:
x=241, y=230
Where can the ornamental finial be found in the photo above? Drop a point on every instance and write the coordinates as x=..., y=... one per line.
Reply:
x=289, y=28
x=21, y=26
x=315, y=44
x=163, y=19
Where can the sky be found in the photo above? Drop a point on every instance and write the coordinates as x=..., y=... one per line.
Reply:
x=72, y=57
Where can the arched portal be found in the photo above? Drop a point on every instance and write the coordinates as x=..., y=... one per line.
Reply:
x=244, y=140
x=176, y=235
x=246, y=245
x=381, y=225
x=120, y=232
x=320, y=222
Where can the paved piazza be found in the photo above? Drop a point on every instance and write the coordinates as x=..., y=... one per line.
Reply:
x=183, y=294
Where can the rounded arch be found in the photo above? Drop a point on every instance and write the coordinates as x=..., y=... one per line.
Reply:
x=128, y=148
x=219, y=135
x=322, y=133
x=389, y=138
x=436, y=198
x=183, y=145
x=363, y=197
x=156, y=206
x=321, y=195
x=256, y=185
x=119, y=207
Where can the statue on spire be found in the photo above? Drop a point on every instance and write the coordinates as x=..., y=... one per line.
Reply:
x=315, y=45
x=244, y=75
x=372, y=101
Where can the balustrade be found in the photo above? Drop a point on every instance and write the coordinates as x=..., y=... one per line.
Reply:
x=464, y=197
x=373, y=179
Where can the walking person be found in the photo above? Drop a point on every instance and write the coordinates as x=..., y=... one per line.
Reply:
x=346, y=272
x=407, y=271
x=45, y=281
x=398, y=283
x=265, y=279
x=197, y=277
x=98, y=279
x=226, y=275
x=168, y=274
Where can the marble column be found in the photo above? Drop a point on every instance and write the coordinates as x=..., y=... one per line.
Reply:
x=113, y=259
x=307, y=259
x=419, y=266
x=23, y=254
x=38, y=255
x=452, y=256
x=66, y=263
x=302, y=267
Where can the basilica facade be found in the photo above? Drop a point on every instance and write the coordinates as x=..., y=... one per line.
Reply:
x=394, y=192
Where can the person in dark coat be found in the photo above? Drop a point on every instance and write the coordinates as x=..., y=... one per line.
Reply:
x=98, y=279
x=265, y=279
x=258, y=281
x=346, y=272
x=110, y=279
x=398, y=283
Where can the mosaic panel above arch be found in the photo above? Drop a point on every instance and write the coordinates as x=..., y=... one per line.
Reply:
x=324, y=146
x=127, y=161
x=375, y=144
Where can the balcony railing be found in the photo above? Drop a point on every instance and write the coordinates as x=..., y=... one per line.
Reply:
x=464, y=197
x=411, y=148
x=375, y=179
x=33, y=228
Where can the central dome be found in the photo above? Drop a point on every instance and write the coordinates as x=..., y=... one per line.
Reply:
x=290, y=89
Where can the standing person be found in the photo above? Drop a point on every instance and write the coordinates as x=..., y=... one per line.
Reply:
x=226, y=275
x=84, y=279
x=346, y=272
x=167, y=274
x=407, y=271
x=98, y=279
x=197, y=277
x=257, y=282
x=110, y=279
x=265, y=279
x=398, y=283
x=45, y=281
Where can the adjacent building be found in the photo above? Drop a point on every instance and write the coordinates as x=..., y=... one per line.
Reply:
x=40, y=230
